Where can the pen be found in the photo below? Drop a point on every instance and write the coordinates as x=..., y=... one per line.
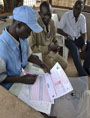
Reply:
x=26, y=72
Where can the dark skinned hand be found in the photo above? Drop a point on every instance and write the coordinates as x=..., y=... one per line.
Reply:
x=29, y=79
x=53, y=47
x=84, y=48
x=45, y=67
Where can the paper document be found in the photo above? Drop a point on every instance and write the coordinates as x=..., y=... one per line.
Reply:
x=24, y=95
x=39, y=91
x=47, y=87
x=58, y=83
x=37, y=95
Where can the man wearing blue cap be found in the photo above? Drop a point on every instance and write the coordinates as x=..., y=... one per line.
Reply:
x=14, y=49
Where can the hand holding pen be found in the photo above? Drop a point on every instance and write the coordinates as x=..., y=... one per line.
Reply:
x=29, y=78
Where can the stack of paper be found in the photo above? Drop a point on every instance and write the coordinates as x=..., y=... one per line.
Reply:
x=37, y=95
x=47, y=87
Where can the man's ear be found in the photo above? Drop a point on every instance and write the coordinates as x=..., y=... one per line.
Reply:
x=39, y=12
x=18, y=24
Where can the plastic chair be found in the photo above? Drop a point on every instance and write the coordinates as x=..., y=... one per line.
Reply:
x=60, y=38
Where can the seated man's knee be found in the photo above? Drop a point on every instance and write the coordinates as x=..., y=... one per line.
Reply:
x=88, y=45
x=69, y=43
x=71, y=46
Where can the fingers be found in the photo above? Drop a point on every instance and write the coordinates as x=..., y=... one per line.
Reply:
x=30, y=79
x=83, y=48
x=58, y=48
x=34, y=75
x=45, y=68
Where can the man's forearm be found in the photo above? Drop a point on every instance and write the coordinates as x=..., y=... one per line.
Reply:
x=12, y=79
x=26, y=79
x=35, y=59
x=60, y=31
x=84, y=37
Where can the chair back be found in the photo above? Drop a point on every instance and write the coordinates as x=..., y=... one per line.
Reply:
x=55, y=19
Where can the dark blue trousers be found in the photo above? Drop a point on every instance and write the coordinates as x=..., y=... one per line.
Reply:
x=86, y=64
x=73, y=48
x=6, y=85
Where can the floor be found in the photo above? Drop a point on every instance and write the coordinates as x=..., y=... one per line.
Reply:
x=71, y=70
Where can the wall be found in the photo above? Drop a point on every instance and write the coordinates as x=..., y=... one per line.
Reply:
x=60, y=12
x=4, y=24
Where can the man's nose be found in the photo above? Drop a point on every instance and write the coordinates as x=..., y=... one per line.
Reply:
x=47, y=17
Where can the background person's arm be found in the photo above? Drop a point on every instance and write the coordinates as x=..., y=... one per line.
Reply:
x=84, y=37
x=60, y=31
x=35, y=59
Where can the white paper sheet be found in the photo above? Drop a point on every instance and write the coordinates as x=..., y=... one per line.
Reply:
x=58, y=83
x=41, y=106
x=47, y=87
x=39, y=91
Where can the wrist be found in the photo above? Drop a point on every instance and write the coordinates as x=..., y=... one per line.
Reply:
x=67, y=36
x=49, y=47
x=41, y=65
x=85, y=42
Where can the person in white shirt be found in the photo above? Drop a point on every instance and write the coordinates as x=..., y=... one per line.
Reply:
x=73, y=26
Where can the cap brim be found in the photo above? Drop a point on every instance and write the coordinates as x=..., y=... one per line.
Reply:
x=36, y=28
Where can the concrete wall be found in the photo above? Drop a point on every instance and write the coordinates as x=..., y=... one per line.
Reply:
x=60, y=12
x=4, y=24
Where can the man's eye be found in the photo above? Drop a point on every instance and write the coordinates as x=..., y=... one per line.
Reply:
x=49, y=14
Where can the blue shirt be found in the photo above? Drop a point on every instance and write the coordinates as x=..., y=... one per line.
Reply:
x=11, y=54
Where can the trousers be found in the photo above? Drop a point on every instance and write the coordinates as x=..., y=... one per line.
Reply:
x=6, y=85
x=86, y=64
x=73, y=46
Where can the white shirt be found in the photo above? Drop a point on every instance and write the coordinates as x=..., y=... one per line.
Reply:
x=70, y=26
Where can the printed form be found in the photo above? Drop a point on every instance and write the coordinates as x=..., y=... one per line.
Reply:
x=58, y=83
x=47, y=87
x=41, y=106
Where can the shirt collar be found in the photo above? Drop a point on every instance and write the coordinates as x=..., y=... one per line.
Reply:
x=12, y=37
x=72, y=15
x=9, y=39
x=43, y=26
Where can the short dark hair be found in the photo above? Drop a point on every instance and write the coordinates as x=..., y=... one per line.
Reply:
x=79, y=2
x=44, y=4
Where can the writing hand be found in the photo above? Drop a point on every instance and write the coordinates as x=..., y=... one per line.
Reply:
x=29, y=79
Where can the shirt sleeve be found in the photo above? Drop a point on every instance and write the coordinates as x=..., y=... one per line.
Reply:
x=83, y=25
x=3, y=74
x=62, y=22
x=37, y=48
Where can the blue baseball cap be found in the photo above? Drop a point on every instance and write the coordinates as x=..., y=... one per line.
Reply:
x=28, y=16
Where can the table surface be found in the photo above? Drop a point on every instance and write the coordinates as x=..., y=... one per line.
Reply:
x=4, y=24
x=12, y=107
